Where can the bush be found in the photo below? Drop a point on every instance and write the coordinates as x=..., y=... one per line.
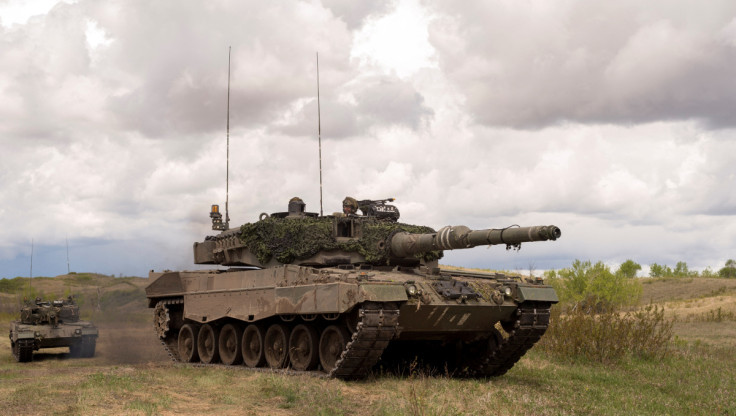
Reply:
x=594, y=284
x=608, y=336
x=708, y=272
x=13, y=286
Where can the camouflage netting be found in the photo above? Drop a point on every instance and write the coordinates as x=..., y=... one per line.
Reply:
x=288, y=239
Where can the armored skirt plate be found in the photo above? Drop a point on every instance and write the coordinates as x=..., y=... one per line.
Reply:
x=451, y=318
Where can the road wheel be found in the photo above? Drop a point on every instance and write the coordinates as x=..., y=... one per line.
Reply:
x=187, y=343
x=252, y=346
x=303, y=348
x=331, y=345
x=207, y=344
x=230, y=339
x=276, y=342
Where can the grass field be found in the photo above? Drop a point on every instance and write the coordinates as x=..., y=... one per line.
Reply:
x=131, y=374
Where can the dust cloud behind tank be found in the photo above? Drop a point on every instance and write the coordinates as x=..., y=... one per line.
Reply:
x=339, y=293
x=52, y=324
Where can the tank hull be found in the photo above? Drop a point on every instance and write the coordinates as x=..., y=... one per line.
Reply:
x=79, y=336
x=345, y=317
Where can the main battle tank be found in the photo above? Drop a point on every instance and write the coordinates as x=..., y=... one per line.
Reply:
x=337, y=292
x=51, y=324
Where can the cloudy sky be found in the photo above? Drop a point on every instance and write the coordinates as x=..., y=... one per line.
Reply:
x=615, y=121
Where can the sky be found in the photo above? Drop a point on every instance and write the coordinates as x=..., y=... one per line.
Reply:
x=615, y=121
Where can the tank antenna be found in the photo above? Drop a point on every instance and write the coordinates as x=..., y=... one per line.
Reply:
x=68, y=270
x=31, y=276
x=227, y=174
x=319, y=138
x=215, y=214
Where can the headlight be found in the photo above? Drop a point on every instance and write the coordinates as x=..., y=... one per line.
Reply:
x=36, y=334
x=507, y=291
x=411, y=290
x=77, y=331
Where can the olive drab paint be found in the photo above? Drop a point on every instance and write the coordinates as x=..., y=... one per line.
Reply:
x=339, y=293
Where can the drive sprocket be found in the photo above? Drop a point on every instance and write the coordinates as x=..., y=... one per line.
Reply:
x=161, y=319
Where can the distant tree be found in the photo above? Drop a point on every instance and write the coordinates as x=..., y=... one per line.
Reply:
x=628, y=269
x=656, y=270
x=708, y=272
x=681, y=269
x=729, y=271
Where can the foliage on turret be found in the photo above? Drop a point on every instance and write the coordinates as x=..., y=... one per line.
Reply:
x=287, y=239
x=50, y=312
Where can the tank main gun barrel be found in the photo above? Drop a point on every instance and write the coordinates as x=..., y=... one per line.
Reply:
x=458, y=237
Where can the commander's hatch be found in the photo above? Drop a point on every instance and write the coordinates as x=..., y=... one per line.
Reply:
x=346, y=229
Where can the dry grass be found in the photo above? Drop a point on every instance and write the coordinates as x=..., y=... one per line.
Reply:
x=672, y=289
x=609, y=336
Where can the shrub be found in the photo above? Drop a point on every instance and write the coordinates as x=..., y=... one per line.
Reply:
x=14, y=285
x=708, y=272
x=609, y=336
x=594, y=284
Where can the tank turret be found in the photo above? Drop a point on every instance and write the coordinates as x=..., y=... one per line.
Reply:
x=49, y=312
x=378, y=239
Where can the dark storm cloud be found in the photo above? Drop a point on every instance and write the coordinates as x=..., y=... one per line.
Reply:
x=528, y=66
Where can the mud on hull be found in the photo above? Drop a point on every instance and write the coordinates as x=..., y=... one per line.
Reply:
x=340, y=322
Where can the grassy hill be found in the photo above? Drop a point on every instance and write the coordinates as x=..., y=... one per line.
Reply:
x=131, y=374
x=100, y=297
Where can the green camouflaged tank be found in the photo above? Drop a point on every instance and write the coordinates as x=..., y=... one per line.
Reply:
x=51, y=324
x=339, y=293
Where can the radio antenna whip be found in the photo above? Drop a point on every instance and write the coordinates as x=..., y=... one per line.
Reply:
x=31, y=276
x=68, y=270
x=319, y=139
x=227, y=174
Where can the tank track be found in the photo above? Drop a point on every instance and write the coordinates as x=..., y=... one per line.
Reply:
x=374, y=330
x=170, y=341
x=23, y=350
x=531, y=323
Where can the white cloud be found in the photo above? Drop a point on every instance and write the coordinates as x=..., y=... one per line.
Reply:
x=13, y=12
x=396, y=42
x=587, y=116
x=96, y=36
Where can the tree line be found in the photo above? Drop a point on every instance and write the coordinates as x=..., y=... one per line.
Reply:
x=597, y=286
